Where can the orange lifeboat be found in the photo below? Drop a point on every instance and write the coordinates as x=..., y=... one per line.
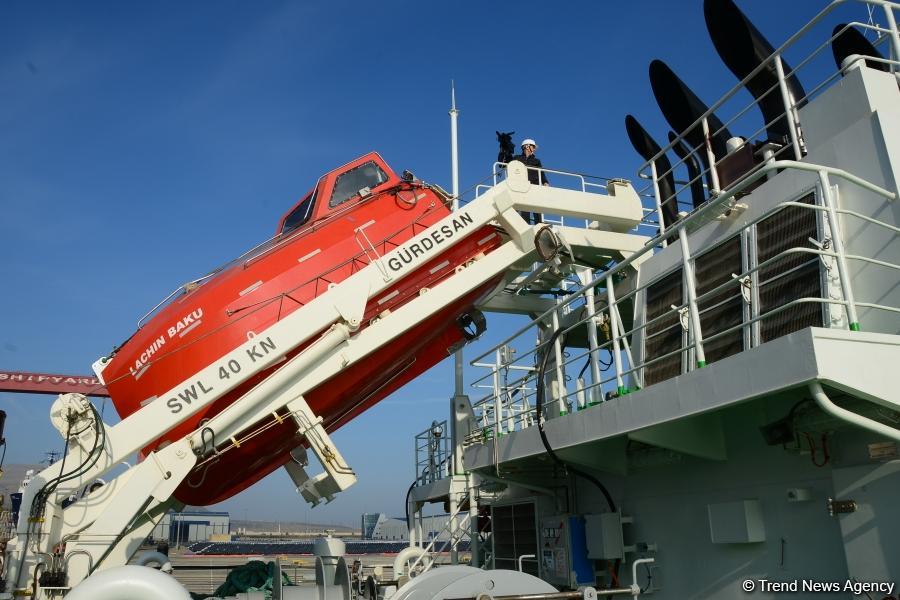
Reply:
x=354, y=214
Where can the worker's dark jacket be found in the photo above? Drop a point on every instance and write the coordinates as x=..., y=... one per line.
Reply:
x=535, y=177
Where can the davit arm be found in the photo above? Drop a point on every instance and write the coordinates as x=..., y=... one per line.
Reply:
x=104, y=527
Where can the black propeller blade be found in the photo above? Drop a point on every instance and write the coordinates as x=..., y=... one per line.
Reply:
x=681, y=107
x=647, y=147
x=689, y=158
x=743, y=48
x=852, y=42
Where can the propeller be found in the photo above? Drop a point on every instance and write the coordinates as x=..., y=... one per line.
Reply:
x=743, y=48
x=852, y=42
x=647, y=147
x=681, y=107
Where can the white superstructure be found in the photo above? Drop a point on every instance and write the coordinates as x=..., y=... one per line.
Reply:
x=723, y=401
x=695, y=408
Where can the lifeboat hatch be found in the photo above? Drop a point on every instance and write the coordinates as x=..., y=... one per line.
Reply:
x=343, y=187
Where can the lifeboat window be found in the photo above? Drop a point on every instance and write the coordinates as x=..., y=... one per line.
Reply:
x=358, y=181
x=300, y=215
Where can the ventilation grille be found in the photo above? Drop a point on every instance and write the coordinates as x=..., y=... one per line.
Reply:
x=663, y=336
x=724, y=309
x=514, y=533
x=791, y=277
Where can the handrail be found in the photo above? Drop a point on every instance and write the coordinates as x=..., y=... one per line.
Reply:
x=498, y=168
x=692, y=219
x=463, y=528
x=523, y=416
x=825, y=403
x=732, y=329
x=718, y=204
x=584, y=185
x=279, y=240
x=777, y=54
x=434, y=445
x=790, y=105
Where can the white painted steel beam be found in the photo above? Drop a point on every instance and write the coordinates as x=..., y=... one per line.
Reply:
x=142, y=427
x=386, y=329
x=146, y=487
x=126, y=545
x=152, y=482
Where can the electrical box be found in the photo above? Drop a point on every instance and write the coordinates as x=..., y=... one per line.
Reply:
x=736, y=522
x=604, y=536
x=563, y=552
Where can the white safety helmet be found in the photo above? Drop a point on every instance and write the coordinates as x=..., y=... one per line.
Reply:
x=529, y=142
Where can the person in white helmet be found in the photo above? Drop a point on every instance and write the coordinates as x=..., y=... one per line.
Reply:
x=535, y=175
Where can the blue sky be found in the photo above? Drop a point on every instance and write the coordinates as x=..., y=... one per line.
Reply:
x=142, y=144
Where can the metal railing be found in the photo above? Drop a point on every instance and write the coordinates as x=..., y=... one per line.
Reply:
x=769, y=152
x=511, y=376
x=457, y=530
x=433, y=453
x=575, y=181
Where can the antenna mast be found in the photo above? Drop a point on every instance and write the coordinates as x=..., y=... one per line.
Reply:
x=454, y=147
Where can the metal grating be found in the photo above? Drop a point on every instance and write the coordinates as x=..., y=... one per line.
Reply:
x=791, y=277
x=514, y=533
x=665, y=335
x=724, y=309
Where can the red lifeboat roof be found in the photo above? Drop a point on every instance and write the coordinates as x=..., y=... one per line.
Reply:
x=343, y=187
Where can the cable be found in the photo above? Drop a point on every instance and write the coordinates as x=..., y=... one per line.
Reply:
x=604, y=365
x=37, y=505
x=613, y=568
x=538, y=412
x=812, y=449
x=3, y=456
x=582, y=261
x=96, y=450
x=36, y=511
x=554, y=293
x=587, y=363
x=649, y=578
x=406, y=506
x=797, y=405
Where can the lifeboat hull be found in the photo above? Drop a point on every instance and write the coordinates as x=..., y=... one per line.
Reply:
x=267, y=445
x=242, y=300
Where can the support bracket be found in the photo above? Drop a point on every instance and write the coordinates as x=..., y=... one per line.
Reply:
x=338, y=475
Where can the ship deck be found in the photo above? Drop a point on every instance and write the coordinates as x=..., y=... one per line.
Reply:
x=681, y=413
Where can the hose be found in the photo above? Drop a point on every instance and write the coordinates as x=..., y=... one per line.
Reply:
x=542, y=370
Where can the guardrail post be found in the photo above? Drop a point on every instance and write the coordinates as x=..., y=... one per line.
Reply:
x=584, y=276
x=474, y=549
x=711, y=158
x=638, y=374
x=498, y=406
x=659, y=213
x=614, y=331
x=788, y=108
x=419, y=465
x=558, y=358
x=691, y=285
x=895, y=36
x=846, y=289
